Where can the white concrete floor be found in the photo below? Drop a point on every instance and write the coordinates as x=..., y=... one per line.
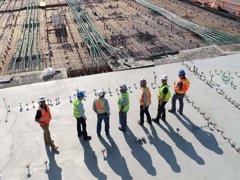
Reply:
x=192, y=153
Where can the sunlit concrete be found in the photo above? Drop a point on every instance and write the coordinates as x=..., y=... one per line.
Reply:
x=184, y=148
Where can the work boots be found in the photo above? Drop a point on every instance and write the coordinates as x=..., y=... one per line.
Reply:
x=171, y=111
x=54, y=147
x=156, y=120
x=180, y=112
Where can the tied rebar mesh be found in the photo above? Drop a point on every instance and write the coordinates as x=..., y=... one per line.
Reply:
x=211, y=36
x=98, y=48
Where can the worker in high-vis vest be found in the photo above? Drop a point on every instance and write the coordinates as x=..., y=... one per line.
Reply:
x=180, y=90
x=101, y=107
x=79, y=114
x=43, y=117
x=145, y=101
x=123, y=106
x=163, y=96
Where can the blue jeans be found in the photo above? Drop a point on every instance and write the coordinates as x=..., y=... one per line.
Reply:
x=174, y=99
x=123, y=120
x=101, y=117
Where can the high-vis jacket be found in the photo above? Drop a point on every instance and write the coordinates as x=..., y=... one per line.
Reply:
x=145, y=97
x=121, y=99
x=185, y=85
x=161, y=95
x=46, y=116
x=76, y=112
x=100, y=103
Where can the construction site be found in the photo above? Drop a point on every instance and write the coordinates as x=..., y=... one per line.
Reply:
x=52, y=50
x=93, y=36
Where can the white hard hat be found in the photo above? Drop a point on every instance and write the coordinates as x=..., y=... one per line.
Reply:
x=101, y=93
x=41, y=99
x=164, y=77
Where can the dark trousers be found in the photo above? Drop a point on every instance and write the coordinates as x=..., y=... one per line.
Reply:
x=142, y=111
x=123, y=120
x=81, y=127
x=174, y=99
x=101, y=117
x=161, y=111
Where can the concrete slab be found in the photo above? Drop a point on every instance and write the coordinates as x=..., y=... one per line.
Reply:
x=30, y=78
x=201, y=144
x=194, y=54
x=6, y=79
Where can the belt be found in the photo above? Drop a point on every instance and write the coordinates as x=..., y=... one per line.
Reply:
x=103, y=114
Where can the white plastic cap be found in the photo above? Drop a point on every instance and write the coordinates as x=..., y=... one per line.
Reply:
x=164, y=77
x=101, y=93
x=41, y=99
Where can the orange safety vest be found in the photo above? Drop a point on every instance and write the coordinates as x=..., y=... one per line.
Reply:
x=100, y=105
x=185, y=86
x=148, y=96
x=45, y=119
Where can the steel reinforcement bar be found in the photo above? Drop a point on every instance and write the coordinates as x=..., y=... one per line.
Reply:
x=24, y=56
x=98, y=48
x=211, y=36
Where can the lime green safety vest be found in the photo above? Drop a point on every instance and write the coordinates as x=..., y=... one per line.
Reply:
x=161, y=94
x=126, y=107
x=76, y=112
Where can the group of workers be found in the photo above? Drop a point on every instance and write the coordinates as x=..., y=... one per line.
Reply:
x=102, y=109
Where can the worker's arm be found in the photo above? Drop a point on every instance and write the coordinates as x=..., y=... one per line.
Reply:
x=144, y=98
x=94, y=107
x=121, y=109
x=50, y=115
x=106, y=106
x=180, y=86
x=123, y=103
x=81, y=110
x=38, y=115
x=165, y=91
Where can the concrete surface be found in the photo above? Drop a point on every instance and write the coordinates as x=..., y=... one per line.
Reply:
x=201, y=144
x=31, y=77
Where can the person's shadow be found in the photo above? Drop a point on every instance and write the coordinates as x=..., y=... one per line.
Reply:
x=163, y=149
x=207, y=139
x=90, y=160
x=114, y=158
x=185, y=146
x=53, y=171
x=139, y=153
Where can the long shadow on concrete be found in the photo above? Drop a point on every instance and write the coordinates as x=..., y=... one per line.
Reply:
x=207, y=139
x=139, y=153
x=90, y=160
x=163, y=149
x=115, y=160
x=185, y=146
x=54, y=171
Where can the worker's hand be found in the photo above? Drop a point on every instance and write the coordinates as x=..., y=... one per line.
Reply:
x=119, y=111
x=160, y=103
x=85, y=118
